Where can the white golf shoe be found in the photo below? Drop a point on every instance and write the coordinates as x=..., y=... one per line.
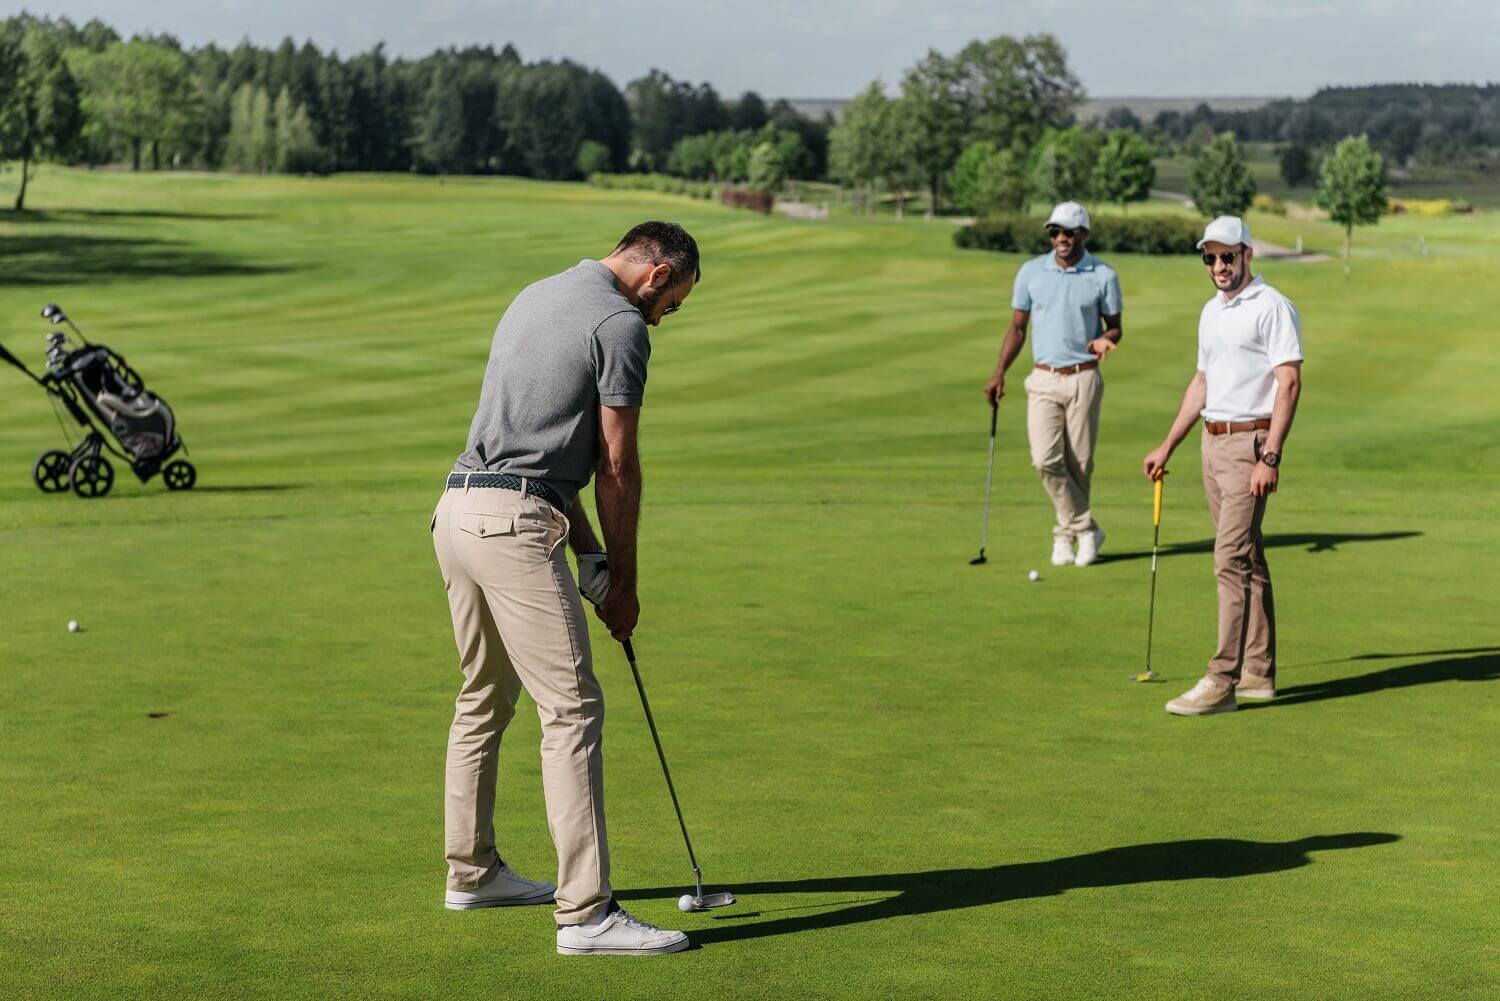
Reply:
x=505, y=890
x=1089, y=545
x=618, y=934
x=1062, y=552
x=1203, y=699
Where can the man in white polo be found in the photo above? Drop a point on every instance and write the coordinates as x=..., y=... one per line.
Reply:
x=1245, y=392
x=1075, y=300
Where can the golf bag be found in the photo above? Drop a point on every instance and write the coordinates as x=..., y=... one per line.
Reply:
x=108, y=399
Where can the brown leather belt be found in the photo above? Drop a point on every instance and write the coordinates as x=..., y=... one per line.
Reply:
x=1069, y=369
x=1235, y=427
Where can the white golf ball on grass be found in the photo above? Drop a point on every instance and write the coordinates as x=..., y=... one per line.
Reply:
x=685, y=902
x=1033, y=576
x=73, y=626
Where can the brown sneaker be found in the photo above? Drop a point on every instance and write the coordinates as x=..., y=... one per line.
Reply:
x=1202, y=699
x=1255, y=688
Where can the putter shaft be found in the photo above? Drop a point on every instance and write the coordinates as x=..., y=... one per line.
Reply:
x=989, y=479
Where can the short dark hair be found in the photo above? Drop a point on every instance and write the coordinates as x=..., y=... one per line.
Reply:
x=663, y=242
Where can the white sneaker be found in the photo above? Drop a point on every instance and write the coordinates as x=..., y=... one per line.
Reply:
x=1062, y=552
x=505, y=890
x=618, y=934
x=1089, y=545
x=1203, y=699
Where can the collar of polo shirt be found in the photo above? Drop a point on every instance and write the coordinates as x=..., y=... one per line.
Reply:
x=1085, y=263
x=1256, y=285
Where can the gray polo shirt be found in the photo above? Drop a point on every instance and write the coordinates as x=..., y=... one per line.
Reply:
x=566, y=345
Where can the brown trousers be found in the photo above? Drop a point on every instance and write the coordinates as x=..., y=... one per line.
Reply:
x=519, y=622
x=1062, y=424
x=1247, y=612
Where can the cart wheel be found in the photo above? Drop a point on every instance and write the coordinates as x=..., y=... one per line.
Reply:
x=92, y=476
x=179, y=474
x=50, y=471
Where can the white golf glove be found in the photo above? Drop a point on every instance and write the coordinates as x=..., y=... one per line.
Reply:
x=593, y=576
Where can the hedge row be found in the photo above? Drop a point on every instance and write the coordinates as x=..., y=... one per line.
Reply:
x=663, y=183
x=745, y=198
x=1117, y=234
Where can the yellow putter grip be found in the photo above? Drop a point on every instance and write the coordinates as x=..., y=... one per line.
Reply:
x=1156, y=501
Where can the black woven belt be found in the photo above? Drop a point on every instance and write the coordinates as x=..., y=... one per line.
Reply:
x=505, y=481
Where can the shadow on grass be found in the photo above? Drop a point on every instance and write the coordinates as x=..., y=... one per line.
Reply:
x=86, y=215
x=62, y=259
x=1451, y=667
x=954, y=889
x=1316, y=542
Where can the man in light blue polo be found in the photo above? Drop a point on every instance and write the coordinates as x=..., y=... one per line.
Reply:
x=1075, y=300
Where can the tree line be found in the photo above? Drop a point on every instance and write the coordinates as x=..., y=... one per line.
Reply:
x=1408, y=123
x=85, y=95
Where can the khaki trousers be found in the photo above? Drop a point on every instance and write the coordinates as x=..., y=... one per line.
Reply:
x=519, y=622
x=1247, y=612
x=1062, y=422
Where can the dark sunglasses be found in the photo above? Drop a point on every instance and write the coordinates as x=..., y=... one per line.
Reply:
x=1226, y=257
x=1055, y=231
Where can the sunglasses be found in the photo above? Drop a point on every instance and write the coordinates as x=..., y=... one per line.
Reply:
x=1227, y=257
x=1055, y=231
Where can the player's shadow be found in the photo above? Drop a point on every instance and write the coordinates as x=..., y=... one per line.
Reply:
x=1481, y=664
x=1316, y=542
x=954, y=889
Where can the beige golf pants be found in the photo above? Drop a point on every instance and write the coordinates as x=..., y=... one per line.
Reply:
x=1062, y=421
x=1247, y=613
x=519, y=622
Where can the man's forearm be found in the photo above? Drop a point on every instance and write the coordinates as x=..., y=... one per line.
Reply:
x=1015, y=338
x=581, y=537
x=1288, y=392
x=617, y=495
x=1188, y=412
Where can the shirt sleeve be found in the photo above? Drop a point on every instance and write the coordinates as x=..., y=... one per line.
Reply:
x=1021, y=297
x=621, y=348
x=1110, y=303
x=1283, y=335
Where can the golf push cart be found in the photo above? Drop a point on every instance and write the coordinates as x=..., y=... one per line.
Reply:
x=108, y=399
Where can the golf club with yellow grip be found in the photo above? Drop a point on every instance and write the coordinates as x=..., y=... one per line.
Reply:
x=1148, y=674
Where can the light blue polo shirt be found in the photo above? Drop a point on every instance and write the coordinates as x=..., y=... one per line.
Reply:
x=1066, y=305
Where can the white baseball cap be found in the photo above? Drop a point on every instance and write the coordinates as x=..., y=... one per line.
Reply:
x=1069, y=215
x=1229, y=230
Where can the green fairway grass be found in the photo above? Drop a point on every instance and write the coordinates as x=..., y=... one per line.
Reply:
x=923, y=779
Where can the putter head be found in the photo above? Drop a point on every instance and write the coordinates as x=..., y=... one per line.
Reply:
x=708, y=901
x=976, y=561
x=1144, y=676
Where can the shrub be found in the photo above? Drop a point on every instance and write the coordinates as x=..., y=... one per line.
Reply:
x=652, y=182
x=744, y=198
x=1117, y=235
x=1421, y=206
x=1265, y=203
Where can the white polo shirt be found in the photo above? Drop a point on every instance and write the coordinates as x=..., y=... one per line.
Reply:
x=1240, y=343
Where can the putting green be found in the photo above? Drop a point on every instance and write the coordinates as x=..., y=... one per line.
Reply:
x=922, y=778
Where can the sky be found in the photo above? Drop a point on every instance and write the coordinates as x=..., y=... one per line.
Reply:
x=808, y=49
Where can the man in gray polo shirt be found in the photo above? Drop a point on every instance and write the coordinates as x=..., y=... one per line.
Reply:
x=560, y=404
x=1074, y=299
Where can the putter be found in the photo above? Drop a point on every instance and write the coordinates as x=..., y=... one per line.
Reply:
x=1148, y=674
x=989, y=479
x=701, y=901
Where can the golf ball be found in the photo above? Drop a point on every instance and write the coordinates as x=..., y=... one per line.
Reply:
x=685, y=902
x=72, y=625
x=1033, y=576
